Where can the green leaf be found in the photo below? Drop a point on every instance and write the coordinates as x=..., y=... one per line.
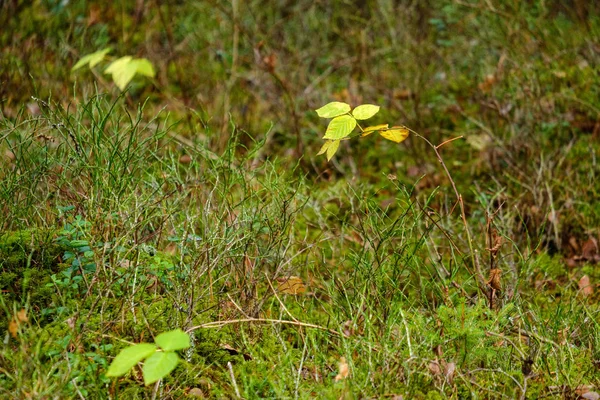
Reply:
x=122, y=70
x=91, y=59
x=128, y=357
x=370, y=129
x=173, y=340
x=396, y=134
x=333, y=109
x=333, y=147
x=365, y=111
x=340, y=127
x=79, y=243
x=159, y=365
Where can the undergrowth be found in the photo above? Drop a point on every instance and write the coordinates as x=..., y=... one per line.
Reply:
x=193, y=201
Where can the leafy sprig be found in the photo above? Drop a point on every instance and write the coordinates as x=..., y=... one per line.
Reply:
x=345, y=120
x=160, y=358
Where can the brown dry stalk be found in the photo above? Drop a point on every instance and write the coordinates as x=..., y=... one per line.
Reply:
x=219, y=324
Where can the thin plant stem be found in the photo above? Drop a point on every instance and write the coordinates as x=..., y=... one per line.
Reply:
x=458, y=195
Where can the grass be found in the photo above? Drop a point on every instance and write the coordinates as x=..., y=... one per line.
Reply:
x=189, y=201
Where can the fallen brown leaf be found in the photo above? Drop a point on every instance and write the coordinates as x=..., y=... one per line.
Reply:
x=185, y=159
x=13, y=328
x=434, y=368
x=196, y=392
x=591, y=396
x=589, y=250
x=22, y=316
x=449, y=370
x=291, y=285
x=585, y=286
x=494, y=280
x=344, y=370
x=585, y=392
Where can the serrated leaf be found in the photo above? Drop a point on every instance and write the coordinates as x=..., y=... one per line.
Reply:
x=91, y=59
x=325, y=147
x=333, y=109
x=128, y=357
x=173, y=340
x=396, y=134
x=332, y=149
x=340, y=127
x=365, y=111
x=370, y=129
x=159, y=365
x=144, y=67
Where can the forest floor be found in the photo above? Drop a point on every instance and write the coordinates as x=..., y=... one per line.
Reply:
x=195, y=199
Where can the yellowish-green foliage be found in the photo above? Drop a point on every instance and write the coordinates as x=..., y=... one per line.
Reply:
x=122, y=70
x=345, y=120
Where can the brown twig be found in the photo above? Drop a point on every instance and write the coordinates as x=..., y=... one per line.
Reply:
x=219, y=324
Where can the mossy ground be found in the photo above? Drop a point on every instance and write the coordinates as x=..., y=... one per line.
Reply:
x=188, y=201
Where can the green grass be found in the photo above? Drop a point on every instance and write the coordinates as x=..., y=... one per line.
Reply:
x=187, y=201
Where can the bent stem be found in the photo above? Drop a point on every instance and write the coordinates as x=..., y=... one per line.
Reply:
x=458, y=195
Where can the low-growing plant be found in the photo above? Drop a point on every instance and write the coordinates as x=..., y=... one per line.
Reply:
x=345, y=120
x=159, y=358
x=122, y=69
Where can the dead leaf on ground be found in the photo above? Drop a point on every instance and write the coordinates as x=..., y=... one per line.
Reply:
x=22, y=316
x=589, y=251
x=586, y=288
x=449, y=370
x=494, y=279
x=185, y=159
x=234, y=352
x=434, y=368
x=488, y=83
x=574, y=244
x=585, y=392
x=95, y=16
x=344, y=370
x=591, y=396
x=13, y=328
x=291, y=285
x=196, y=392
x=402, y=94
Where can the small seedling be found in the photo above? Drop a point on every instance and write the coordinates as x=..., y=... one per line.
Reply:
x=160, y=358
x=345, y=120
x=122, y=69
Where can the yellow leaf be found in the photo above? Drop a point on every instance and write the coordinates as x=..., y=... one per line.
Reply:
x=395, y=134
x=370, y=129
x=333, y=109
x=325, y=147
x=340, y=127
x=122, y=71
x=291, y=285
x=92, y=59
x=365, y=111
x=333, y=147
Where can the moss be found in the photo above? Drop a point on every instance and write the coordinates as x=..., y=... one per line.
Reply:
x=28, y=258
